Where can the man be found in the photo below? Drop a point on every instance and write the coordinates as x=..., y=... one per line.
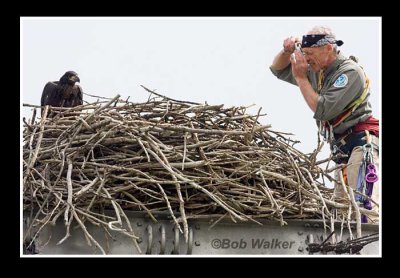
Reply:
x=337, y=90
x=62, y=93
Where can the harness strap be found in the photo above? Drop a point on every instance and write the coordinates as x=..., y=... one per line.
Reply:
x=353, y=106
x=326, y=127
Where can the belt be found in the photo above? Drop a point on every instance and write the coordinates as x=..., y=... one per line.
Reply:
x=349, y=135
x=341, y=138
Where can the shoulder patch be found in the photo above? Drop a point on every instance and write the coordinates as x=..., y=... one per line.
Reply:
x=341, y=81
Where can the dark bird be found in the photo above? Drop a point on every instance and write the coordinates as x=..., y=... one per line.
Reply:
x=63, y=93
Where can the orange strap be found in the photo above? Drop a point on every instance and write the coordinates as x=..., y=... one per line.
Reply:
x=344, y=171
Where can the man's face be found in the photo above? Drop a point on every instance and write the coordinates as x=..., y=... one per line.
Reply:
x=316, y=57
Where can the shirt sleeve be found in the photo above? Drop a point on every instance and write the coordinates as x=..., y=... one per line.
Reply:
x=344, y=88
x=285, y=74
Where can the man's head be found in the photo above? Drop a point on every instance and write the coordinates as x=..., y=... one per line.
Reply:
x=319, y=47
x=70, y=77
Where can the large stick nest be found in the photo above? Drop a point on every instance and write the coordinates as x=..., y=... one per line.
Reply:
x=190, y=160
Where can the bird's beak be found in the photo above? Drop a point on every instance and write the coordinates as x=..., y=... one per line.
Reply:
x=75, y=78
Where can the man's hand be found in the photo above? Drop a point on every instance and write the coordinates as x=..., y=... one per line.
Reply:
x=299, y=65
x=289, y=44
x=299, y=71
x=282, y=59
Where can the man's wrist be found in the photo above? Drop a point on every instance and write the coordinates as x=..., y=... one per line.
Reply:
x=302, y=80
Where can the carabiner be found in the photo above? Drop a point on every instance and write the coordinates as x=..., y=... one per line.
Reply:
x=367, y=146
x=367, y=153
x=371, y=175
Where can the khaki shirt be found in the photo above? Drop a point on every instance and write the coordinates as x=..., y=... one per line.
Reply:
x=344, y=82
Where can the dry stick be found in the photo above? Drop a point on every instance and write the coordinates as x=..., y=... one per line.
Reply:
x=189, y=165
x=141, y=205
x=321, y=198
x=102, y=123
x=202, y=154
x=202, y=108
x=163, y=116
x=341, y=229
x=333, y=168
x=67, y=234
x=348, y=197
x=157, y=142
x=279, y=210
x=184, y=151
x=267, y=192
x=87, y=234
x=33, y=116
x=254, y=124
x=117, y=213
x=53, y=222
x=86, y=187
x=96, y=221
x=30, y=143
x=141, y=189
x=85, y=124
x=144, y=148
x=91, y=220
x=160, y=187
x=199, y=144
x=39, y=141
x=356, y=207
x=329, y=159
x=219, y=219
x=182, y=208
x=333, y=240
x=179, y=101
x=296, y=172
x=313, y=156
x=69, y=190
x=299, y=175
x=103, y=180
x=318, y=192
x=99, y=215
x=131, y=234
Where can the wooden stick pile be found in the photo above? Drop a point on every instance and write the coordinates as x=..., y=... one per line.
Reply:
x=191, y=160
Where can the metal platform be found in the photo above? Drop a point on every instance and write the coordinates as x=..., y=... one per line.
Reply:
x=224, y=238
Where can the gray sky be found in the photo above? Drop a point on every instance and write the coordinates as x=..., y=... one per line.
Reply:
x=218, y=60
